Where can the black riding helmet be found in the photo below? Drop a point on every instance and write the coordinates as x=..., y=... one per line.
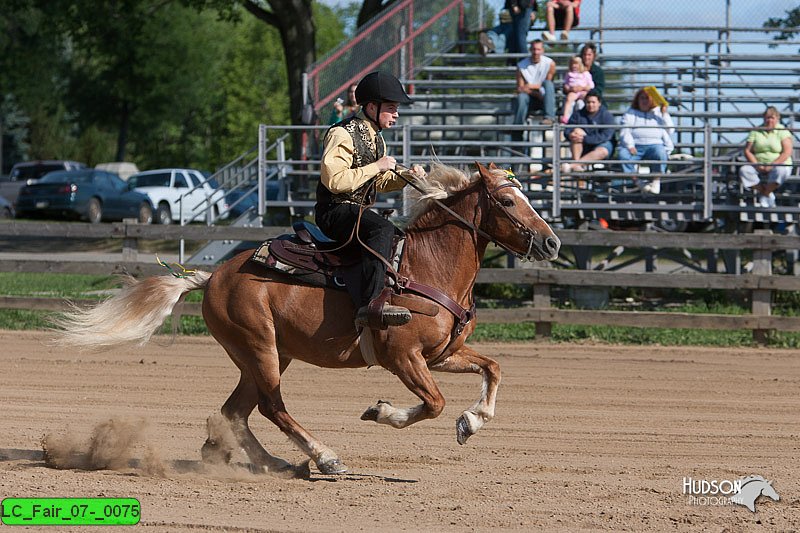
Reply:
x=380, y=87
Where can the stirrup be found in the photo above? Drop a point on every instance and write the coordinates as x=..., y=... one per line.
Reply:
x=382, y=315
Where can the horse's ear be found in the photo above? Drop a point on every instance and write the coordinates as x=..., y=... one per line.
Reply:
x=492, y=166
x=482, y=170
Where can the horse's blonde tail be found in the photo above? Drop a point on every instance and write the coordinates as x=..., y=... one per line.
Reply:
x=132, y=316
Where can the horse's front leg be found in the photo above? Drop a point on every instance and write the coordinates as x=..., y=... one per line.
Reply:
x=414, y=373
x=468, y=360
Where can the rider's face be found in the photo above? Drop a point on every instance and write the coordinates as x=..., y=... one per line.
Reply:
x=388, y=116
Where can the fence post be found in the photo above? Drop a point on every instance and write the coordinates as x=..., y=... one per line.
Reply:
x=130, y=245
x=762, y=298
x=541, y=300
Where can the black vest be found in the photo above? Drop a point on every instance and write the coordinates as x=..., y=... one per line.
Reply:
x=365, y=152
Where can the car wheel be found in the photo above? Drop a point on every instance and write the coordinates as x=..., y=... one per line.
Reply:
x=145, y=213
x=5, y=213
x=163, y=214
x=95, y=211
x=672, y=226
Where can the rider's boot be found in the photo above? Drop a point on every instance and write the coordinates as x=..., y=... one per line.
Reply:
x=376, y=317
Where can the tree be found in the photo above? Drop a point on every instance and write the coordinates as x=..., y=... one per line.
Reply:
x=791, y=22
x=369, y=9
x=294, y=19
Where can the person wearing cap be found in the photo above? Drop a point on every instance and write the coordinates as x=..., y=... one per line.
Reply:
x=354, y=167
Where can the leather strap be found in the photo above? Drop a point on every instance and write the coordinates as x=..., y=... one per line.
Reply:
x=463, y=316
x=375, y=310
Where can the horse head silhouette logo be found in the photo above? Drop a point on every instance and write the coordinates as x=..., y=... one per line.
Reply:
x=752, y=488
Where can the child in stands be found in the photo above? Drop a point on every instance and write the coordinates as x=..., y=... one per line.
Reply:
x=577, y=82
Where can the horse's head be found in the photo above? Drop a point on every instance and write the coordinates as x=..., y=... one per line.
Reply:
x=511, y=221
x=769, y=491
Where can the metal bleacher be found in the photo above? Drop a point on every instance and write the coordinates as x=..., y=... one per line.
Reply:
x=462, y=110
x=717, y=79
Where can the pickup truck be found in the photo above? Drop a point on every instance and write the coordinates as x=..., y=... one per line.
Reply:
x=29, y=171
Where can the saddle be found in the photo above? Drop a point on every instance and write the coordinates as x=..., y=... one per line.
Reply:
x=313, y=258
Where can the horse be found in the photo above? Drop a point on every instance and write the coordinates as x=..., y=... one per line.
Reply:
x=265, y=319
x=752, y=488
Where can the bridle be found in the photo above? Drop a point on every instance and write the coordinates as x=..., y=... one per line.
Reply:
x=493, y=202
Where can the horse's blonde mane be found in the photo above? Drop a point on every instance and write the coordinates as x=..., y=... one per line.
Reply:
x=442, y=181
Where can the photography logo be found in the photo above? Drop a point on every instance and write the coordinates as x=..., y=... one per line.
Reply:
x=744, y=491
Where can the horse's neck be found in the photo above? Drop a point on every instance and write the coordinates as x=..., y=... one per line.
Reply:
x=442, y=252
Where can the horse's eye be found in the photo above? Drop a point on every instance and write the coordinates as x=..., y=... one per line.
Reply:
x=507, y=202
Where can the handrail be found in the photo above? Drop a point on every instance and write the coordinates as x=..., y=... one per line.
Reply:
x=411, y=29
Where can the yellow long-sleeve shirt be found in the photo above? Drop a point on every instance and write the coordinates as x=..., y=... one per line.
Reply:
x=336, y=173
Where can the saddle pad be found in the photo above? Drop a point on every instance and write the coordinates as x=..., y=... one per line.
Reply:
x=263, y=257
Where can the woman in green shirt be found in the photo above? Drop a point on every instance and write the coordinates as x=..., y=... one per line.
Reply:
x=769, y=150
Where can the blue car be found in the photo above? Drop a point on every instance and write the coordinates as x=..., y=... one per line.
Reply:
x=6, y=209
x=89, y=194
x=242, y=201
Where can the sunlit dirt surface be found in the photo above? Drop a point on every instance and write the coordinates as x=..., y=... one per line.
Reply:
x=586, y=437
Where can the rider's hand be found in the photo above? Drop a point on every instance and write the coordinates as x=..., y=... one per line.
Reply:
x=386, y=162
x=418, y=171
x=632, y=150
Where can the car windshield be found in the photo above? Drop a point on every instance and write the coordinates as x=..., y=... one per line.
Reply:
x=33, y=172
x=68, y=176
x=150, y=180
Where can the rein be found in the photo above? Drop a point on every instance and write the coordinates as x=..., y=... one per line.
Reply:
x=490, y=196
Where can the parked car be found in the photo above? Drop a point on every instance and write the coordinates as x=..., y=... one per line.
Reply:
x=168, y=187
x=122, y=169
x=6, y=209
x=25, y=173
x=91, y=194
x=249, y=200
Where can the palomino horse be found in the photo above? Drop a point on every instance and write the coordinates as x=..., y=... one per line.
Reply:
x=264, y=319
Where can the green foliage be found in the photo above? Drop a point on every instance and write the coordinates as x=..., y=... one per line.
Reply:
x=165, y=82
x=254, y=86
x=791, y=20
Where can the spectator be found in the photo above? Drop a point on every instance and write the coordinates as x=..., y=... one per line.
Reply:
x=500, y=38
x=577, y=82
x=646, y=134
x=561, y=14
x=586, y=142
x=769, y=149
x=343, y=110
x=589, y=55
x=521, y=11
x=535, y=86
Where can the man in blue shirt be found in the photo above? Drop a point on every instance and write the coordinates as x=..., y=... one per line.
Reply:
x=586, y=142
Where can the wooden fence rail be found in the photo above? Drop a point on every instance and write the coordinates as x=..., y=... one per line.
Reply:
x=761, y=282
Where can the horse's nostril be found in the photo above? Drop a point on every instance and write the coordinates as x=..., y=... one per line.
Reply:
x=550, y=245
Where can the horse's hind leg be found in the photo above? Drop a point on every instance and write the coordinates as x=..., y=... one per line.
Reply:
x=266, y=367
x=235, y=412
x=474, y=418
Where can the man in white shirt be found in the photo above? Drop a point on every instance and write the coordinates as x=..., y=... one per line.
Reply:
x=535, y=86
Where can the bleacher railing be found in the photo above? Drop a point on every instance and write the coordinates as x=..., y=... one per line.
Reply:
x=700, y=184
x=396, y=41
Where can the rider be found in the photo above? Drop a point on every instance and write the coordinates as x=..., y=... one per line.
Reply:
x=355, y=166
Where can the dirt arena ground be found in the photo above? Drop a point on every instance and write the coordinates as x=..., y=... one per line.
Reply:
x=586, y=437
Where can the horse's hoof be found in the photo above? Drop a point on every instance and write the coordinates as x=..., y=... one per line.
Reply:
x=462, y=430
x=332, y=466
x=213, y=453
x=373, y=412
